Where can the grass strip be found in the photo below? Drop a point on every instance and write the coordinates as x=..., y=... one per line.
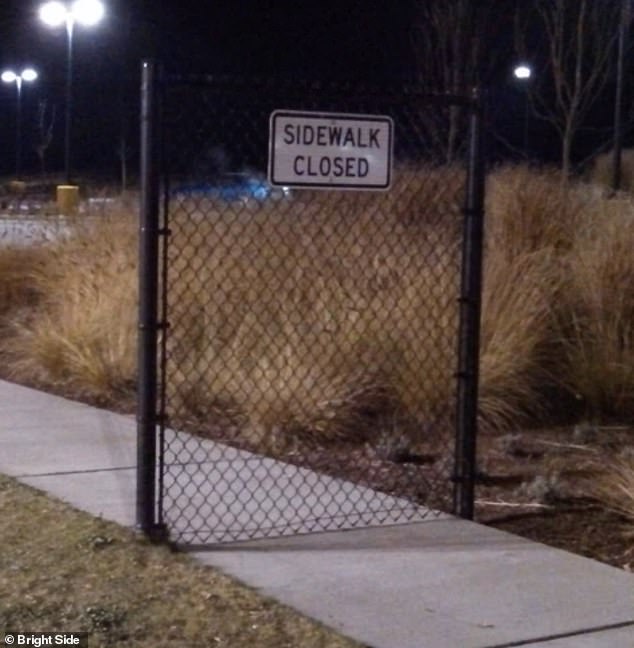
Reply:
x=63, y=570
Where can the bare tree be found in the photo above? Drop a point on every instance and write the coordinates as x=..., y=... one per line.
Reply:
x=448, y=39
x=579, y=38
x=624, y=26
x=44, y=129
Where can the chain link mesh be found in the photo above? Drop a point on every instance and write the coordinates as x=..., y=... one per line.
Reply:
x=310, y=356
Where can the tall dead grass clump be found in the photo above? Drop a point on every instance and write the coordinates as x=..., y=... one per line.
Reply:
x=558, y=307
x=320, y=317
x=528, y=210
x=18, y=289
x=82, y=332
x=516, y=338
x=598, y=324
x=529, y=224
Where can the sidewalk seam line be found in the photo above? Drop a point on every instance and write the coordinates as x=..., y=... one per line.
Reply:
x=564, y=635
x=74, y=472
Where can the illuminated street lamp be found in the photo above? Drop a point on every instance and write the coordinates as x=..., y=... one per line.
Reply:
x=523, y=74
x=55, y=14
x=9, y=76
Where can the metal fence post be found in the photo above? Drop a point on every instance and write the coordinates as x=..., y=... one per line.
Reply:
x=148, y=306
x=469, y=335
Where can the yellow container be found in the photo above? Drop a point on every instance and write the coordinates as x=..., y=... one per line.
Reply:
x=67, y=199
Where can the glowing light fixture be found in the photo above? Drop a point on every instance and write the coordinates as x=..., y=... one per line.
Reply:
x=522, y=72
x=9, y=76
x=55, y=14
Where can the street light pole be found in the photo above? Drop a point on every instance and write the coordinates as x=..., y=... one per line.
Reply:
x=70, y=24
x=18, y=128
x=55, y=14
x=11, y=77
x=523, y=74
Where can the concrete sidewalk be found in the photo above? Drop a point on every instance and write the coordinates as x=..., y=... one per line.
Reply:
x=442, y=583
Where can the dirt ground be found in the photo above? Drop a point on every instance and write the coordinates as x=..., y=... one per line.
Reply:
x=540, y=483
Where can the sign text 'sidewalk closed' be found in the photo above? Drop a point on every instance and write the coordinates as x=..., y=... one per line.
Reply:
x=329, y=150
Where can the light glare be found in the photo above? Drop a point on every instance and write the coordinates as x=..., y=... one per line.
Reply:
x=88, y=12
x=29, y=74
x=522, y=72
x=9, y=77
x=53, y=14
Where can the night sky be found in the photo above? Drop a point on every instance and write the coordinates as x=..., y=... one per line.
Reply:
x=366, y=40
x=332, y=39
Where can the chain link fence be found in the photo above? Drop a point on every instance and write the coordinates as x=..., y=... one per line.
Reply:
x=309, y=359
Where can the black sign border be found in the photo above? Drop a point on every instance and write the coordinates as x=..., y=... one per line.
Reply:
x=329, y=115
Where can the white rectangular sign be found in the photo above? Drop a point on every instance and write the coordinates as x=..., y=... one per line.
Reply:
x=330, y=150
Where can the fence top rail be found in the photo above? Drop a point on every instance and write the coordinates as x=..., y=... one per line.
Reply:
x=256, y=86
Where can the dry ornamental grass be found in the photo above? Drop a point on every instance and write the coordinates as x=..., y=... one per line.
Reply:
x=320, y=317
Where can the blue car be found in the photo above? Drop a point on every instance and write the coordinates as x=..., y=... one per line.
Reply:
x=233, y=187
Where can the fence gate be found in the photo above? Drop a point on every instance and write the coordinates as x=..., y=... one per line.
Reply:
x=307, y=357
